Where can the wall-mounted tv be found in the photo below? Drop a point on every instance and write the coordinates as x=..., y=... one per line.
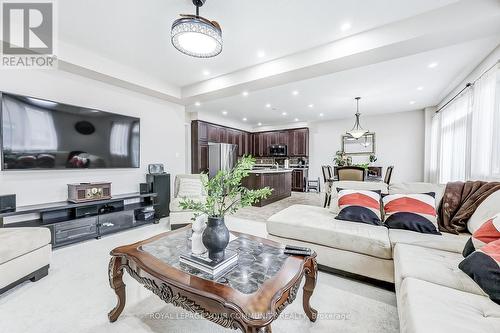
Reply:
x=41, y=134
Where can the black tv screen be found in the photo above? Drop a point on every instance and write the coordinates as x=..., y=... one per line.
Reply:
x=41, y=134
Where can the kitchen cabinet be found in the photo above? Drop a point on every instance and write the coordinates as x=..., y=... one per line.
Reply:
x=298, y=142
x=279, y=181
x=298, y=180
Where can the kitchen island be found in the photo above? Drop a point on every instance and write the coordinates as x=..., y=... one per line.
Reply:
x=280, y=180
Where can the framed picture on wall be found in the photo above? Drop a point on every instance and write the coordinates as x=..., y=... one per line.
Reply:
x=362, y=146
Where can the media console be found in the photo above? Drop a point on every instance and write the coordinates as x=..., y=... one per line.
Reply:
x=74, y=222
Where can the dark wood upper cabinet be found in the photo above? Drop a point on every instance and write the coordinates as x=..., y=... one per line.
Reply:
x=256, y=144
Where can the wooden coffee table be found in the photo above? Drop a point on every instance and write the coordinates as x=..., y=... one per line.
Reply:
x=249, y=297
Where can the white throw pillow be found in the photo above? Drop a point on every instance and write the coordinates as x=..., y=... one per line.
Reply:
x=488, y=208
x=189, y=187
x=353, y=185
x=409, y=188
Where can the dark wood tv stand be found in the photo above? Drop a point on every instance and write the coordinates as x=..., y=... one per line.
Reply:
x=75, y=222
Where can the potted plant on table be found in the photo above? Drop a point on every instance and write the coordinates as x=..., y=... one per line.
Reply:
x=225, y=195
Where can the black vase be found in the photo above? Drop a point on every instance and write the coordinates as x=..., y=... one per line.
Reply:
x=215, y=238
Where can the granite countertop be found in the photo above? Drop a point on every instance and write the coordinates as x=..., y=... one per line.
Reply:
x=271, y=171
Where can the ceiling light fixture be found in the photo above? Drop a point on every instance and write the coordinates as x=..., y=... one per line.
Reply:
x=206, y=73
x=412, y=102
x=268, y=105
x=244, y=119
x=296, y=119
x=420, y=88
x=197, y=36
x=311, y=105
x=245, y=93
x=321, y=114
x=284, y=113
x=259, y=124
x=197, y=103
x=261, y=54
x=357, y=131
x=433, y=65
x=224, y=112
x=295, y=92
x=346, y=26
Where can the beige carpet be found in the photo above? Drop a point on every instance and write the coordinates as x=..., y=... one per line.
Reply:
x=297, y=198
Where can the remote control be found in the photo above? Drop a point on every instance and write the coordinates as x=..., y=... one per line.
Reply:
x=298, y=253
x=298, y=248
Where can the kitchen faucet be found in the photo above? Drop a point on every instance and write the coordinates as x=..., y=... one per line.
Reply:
x=277, y=165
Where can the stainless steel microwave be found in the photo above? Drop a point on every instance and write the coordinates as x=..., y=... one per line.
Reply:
x=277, y=150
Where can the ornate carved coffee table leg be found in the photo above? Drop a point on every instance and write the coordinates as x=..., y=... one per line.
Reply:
x=115, y=273
x=311, y=272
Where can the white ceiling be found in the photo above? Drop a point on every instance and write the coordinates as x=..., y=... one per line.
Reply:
x=137, y=33
x=383, y=57
x=385, y=87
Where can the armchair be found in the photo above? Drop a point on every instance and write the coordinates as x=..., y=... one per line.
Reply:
x=185, y=186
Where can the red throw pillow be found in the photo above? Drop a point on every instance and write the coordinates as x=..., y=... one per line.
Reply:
x=487, y=233
x=359, y=206
x=483, y=266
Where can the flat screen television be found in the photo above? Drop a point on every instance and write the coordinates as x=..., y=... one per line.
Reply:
x=41, y=134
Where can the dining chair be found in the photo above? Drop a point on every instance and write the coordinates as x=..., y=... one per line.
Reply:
x=388, y=174
x=351, y=173
x=327, y=171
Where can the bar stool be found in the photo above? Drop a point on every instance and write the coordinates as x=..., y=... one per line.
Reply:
x=313, y=184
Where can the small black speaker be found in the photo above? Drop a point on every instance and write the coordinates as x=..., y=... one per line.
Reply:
x=7, y=203
x=144, y=188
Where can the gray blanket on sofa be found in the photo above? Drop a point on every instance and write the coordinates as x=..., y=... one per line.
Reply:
x=460, y=201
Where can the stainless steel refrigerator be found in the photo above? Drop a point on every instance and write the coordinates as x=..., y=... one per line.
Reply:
x=221, y=156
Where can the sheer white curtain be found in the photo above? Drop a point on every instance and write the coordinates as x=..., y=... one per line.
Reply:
x=465, y=139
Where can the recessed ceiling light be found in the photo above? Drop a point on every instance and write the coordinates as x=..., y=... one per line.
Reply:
x=296, y=119
x=244, y=119
x=283, y=113
x=259, y=124
x=245, y=93
x=420, y=88
x=412, y=102
x=197, y=103
x=224, y=112
x=311, y=105
x=295, y=92
x=261, y=54
x=346, y=26
x=206, y=72
x=321, y=114
x=433, y=65
x=268, y=105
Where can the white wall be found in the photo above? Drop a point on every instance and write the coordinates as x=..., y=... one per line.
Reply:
x=399, y=142
x=162, y=129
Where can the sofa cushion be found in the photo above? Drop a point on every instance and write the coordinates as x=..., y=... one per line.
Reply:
x=487, y=233
x=353, y=185
x=189, y=188
x=415, y=212
x=359, y=206
x=488, y=208
x=175, y=203
x=484, y=267
x=445, y=241
x=15, y=242
x=316, y=225
x=436, y=266
x=427, y=307
x=408, y=188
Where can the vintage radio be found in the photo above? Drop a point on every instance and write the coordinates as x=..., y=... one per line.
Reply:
x=84, y=192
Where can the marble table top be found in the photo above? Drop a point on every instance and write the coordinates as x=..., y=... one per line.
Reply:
x=257, y=262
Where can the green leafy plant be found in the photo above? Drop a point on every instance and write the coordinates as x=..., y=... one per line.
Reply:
x=225, y=194
x=363, y=165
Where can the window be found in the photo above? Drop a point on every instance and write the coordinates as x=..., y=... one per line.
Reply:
x=465, y=139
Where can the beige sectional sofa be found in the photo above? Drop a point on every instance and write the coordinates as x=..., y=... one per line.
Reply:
x=433, y=294
x=24, y=255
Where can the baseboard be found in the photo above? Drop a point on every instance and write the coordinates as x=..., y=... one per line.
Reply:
x=377, y=283
x=35, y=276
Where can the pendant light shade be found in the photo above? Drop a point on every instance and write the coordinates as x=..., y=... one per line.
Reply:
x=357, y=131
x=197, y=36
